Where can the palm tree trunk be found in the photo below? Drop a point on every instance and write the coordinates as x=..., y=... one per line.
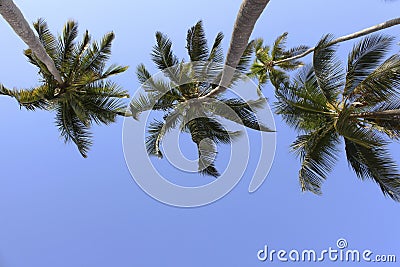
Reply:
x=363, y=32
x=249, y=12
x=18, y=23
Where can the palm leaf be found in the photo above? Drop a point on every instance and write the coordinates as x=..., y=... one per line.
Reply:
x=328, y=70
x=196, y=43
x=240, y=111
x=72, y=129
x=47, y=39
x=318, y=154
x=67, y=46
x=162, y=54
x=97, y=54
x=376, y=164
x=381, y=84
x=364, y=59
x=29, y=99
x=216, y=54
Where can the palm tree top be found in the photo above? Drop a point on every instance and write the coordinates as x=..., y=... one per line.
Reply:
x=86, y=95
x=180, y=96
x=360, y=106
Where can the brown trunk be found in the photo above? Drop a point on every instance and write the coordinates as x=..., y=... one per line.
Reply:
x=366, y=31
x=18, y=23
x=249, y=12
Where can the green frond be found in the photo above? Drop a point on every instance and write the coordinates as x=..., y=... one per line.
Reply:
x=381, y=84
x=365, y=57
x=79, y=52
x=29, y=99
x=47, y=39
x=158, y=129
x=196, y=43
x=292, y=64
x=279, y=46
x=353, y=130
x=318, y=154
x=103, y=102
x=216, y=54
x=206, y=147
x=375, y=163
x=95, y=56
x=302, y=104
x=114, y=69
x=148, y=101
x=162, y=54
x=328, y=69
x=240, y=111
x=66, y=46
x=207, y=151
x=72, y=129
x=43, y=71
x=149, y=84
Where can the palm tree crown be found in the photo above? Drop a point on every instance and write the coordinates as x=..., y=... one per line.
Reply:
x=180, y=98
x=360, y=106
x=263, y=67
x=85, y=95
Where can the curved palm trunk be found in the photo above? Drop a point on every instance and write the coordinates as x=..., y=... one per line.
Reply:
x=249, y=12
x=375, y=28
x=18, y=23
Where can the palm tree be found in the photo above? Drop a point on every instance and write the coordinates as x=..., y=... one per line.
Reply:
x=18, y=23
x=263, y=67
x=180, y=97
x=86, y=95
x=360, y=107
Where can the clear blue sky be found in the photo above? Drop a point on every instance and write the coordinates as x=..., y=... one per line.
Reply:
x=58, y=209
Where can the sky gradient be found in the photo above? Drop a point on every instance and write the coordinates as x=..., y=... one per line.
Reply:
x=58, y=209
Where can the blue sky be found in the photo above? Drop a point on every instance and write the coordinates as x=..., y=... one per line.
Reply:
x=58, y=209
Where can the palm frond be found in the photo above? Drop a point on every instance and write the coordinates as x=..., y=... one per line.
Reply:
x=240, y=111
x=162, y=54
x=206, y=147
x=353, y=130
x=153, y=101
x=374, y=163
x=196, y=43
x=327, y=69
x=292, y=64
x=216, y=54
x=47, y=39
x=157, y=129
x=381, y=84
x=103, y=102
x=29, y=99
x=364, y=59
x=79, y=52
x=72, y=129
x=302, y=104
x=318, y=154
x=66, y=46
x=279, y=46
x=96, y=56
x=114, y=69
